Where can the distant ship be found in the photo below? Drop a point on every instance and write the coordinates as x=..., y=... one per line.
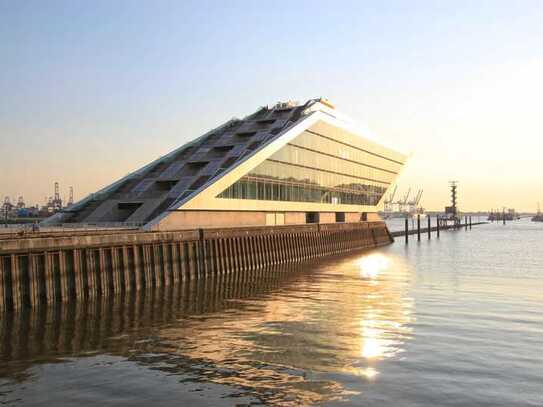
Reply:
x=497, y=215
x=539, y=216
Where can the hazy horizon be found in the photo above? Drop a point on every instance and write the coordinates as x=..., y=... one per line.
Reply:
x=94, y=91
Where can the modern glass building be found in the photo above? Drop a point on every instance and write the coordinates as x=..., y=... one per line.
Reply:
x=286, y=164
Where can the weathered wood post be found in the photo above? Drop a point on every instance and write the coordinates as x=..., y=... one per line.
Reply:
x=3, y=305
x=438, y=226
x=429, y=227
x=470, y=222
x=199, y=253
x=418, y=228
x=406, y=231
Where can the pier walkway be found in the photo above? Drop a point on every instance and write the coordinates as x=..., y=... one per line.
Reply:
x=433, y=229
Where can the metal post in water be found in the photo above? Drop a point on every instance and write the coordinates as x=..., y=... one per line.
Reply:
x=418, y=228
x=406, y=231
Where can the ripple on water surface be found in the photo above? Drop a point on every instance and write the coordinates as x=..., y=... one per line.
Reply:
x=454, y=321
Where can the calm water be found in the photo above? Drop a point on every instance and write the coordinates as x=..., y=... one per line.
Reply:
x=450, y=322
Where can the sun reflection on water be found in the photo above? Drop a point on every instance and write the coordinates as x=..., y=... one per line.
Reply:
x=281, y=335
x=372, y=265
x=370, y=373
x=386, y=313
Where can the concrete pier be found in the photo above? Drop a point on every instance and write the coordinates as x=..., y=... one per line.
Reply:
x=50, y=268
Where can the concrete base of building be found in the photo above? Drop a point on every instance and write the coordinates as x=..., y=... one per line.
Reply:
x=212, y=219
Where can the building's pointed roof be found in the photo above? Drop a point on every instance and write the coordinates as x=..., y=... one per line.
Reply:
x=178, y=176
x=192, y=176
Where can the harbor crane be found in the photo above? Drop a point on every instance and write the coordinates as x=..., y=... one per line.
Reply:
x=402, y=203
x=389, y=202
x=414, y=204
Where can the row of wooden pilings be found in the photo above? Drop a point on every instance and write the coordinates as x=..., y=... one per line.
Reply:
x=440, y=224
x=39, y=270
x=76, y=327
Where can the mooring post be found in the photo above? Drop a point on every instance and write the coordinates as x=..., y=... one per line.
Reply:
x=437, y=229
x=406, y=231
x=418, y=228
x=466, y=222
x=429, y=227
x=470, y=222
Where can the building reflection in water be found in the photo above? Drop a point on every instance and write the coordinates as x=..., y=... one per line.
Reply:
x=277, y=334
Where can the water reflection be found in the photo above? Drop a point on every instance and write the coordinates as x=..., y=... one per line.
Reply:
x=279, y=335
x=371, y=265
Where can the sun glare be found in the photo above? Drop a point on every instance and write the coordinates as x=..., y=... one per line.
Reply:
x=371, y=266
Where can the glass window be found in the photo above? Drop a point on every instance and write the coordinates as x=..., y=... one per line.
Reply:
x=314, y=168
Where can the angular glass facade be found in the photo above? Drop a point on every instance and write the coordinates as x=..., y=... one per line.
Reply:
x=317, y=168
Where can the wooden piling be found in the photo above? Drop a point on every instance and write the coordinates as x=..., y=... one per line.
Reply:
x=68, y=275
x=185, y=261
x=129, y=272
x=37, y=280
x=194, y=260
x=20, y=281
x=3, y=285
x=7, y=283
x=139, y=271
x=147, y=261
x=418, y=228
x=49, y=278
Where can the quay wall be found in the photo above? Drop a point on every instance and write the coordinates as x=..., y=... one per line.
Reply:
x=58, y=267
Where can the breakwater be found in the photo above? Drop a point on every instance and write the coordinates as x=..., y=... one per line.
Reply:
x=56, y=267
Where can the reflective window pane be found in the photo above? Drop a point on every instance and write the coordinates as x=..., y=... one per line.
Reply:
x=315, y=168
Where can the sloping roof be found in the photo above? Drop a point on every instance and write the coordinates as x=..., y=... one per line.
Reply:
x=163, y=184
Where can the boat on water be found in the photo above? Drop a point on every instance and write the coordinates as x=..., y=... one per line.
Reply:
x=539, y=216
x=496, y=215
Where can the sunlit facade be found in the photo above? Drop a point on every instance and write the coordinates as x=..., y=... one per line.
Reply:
x=287, y=164
x=316, y=168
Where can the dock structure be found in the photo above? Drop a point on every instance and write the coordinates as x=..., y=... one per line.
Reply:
x=439, y=226
x=63, y=329
x=40, y=270
x=286, y=183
